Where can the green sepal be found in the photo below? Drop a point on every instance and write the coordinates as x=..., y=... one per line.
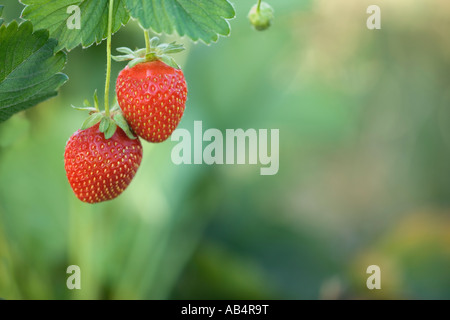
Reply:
x=84, y=108
x=111, y=130
x=92, y=120
x=108, y=124
x=140, y=52
x=169, y=61
x=96, y=100
x=125, y=50
x=158, y=51
x=87, y=105
x=123, y=124
x=123, y=58
x=115, y=106
x=104, y=124
x=154, y=42
x=172, y=47
x=107, y=127
x=136, y=61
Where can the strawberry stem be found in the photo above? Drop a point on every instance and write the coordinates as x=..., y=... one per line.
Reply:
x=259, y=6
x=147, y=41
x=108, y=57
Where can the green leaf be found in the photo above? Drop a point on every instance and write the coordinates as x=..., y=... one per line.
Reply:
x=29, y=68
x=55, y=16
x=1, y=10
x=93, y=119
x=197, y=19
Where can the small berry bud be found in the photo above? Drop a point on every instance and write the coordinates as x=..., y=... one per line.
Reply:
x=262, y=18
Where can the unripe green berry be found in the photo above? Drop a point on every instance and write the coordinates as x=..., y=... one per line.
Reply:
x=262, y=18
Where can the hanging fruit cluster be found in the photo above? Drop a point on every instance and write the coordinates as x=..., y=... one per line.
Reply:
x=103, y=156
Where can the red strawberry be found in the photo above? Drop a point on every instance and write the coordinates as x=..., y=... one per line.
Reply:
x=152, y=96
x=100, y=169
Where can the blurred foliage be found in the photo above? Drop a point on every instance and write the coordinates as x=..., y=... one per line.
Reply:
x=364, y=169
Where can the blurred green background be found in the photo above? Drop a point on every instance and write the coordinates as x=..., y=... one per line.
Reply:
x=364, y=119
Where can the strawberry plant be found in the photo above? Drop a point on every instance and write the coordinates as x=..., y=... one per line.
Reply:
x=151, y=90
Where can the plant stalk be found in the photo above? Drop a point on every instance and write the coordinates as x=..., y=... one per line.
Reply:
x=147, y=41
x=259, y=6
x=108, y=57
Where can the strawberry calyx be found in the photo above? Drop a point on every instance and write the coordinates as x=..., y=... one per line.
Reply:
x=108, y=122
x=157, y=51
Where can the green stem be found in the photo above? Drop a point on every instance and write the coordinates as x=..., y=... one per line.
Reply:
x=108, y=57
x=259, y=6
x=147, y=41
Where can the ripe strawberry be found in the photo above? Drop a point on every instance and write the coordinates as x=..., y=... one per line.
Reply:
x=152, y=96
x=100, y=169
